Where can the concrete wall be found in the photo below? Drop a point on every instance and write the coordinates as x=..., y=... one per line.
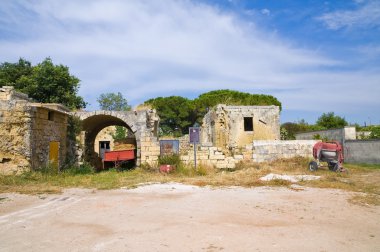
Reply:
x=272, y=150
x=341, y=135
x=223, y=126
x=362, y=151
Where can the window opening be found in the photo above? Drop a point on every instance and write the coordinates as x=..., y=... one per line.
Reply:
x=248, y=123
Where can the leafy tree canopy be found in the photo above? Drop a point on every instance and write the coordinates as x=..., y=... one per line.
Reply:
x=331, y=121
x=113, y=101
x=175, y=112
x=116, y=102
x=178, y=113
x=45, y=82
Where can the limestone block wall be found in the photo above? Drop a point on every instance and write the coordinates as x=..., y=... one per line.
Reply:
x=272, y=150
x=362, y=151
x=341, y=135
x=15, y=135
x=236, y=126
x=215, y=156
x=26, y=129
x=47, y=126
x=149, y=150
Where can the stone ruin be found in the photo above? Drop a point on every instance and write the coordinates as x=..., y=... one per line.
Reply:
x=34, y=135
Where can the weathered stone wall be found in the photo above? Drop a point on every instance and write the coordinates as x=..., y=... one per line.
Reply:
x=341, y=135
x=216, y=156
x=362, y=151
x=26, y=131
x=272, y=150
x=46, y=129
x=150, y=149
x=15, y=135
x=224, y=126
x=142, y=123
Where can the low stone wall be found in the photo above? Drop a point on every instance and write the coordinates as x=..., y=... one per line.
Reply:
x=341, y=135
x=272, y=150
x=362, y=151
x=215, y=157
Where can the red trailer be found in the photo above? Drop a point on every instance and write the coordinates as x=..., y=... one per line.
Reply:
x=118, y=156
x=330, y=152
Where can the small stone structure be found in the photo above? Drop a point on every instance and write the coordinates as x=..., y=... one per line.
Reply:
x=230, y=127
x=31, y=134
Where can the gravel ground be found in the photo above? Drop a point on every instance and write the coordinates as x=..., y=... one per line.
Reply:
x=176, y=217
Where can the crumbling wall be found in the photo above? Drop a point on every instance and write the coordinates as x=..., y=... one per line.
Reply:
x=15, y=134
x=47, y=126
x=229, y=127
x=26, y=131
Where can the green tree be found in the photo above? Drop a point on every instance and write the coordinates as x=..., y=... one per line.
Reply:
x=178, y=113
x=113, y=101
x=175, y=112
x=375, y=132
x=331, y=121
x=45, y=82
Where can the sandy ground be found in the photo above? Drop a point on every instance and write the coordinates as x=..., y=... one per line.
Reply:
x=175, y=217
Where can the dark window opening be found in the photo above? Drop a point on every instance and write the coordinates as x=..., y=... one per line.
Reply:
x=248, y=123
x=51, y=115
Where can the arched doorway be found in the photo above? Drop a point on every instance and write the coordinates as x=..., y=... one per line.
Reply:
x=143, y=124
x=94, y=122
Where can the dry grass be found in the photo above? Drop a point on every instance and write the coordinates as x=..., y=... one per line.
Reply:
x=361, y=178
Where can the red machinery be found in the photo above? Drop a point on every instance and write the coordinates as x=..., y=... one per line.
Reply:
x=330, y=152
x=118, y=156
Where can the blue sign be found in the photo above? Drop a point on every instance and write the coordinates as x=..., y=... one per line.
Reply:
x=194, y=134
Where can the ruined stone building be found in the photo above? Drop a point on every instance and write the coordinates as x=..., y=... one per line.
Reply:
x=32, y=135
x=236, y=126
x=35, y=135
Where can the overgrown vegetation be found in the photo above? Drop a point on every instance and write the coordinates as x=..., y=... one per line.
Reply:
x=44, y=82
x=177, y=113
x=361, y=178
x=325, y=121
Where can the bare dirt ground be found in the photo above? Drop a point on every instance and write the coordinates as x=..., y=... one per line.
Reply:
x=176, y=217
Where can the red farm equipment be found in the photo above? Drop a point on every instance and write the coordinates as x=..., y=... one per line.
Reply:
x=330, y=152
x=118, y=157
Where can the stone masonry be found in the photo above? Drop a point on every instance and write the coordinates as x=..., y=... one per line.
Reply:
x=26, y=131
x=229, y=127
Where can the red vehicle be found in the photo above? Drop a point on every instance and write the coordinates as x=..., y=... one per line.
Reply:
x=118, y=156
x=330, y=152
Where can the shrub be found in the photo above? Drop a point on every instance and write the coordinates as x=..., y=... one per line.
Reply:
x=172, y=159
x=85, y=168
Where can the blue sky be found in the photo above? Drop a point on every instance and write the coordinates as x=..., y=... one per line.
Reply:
x=314, y=56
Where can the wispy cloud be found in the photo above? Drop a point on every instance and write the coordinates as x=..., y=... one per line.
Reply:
x=149, y=48
x=366, y=15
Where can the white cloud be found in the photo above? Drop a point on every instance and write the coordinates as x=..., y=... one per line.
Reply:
x=367, y=15
x=149, y=48
x=265, y=12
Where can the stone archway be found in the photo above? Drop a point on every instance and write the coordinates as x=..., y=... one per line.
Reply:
x=142, y=123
